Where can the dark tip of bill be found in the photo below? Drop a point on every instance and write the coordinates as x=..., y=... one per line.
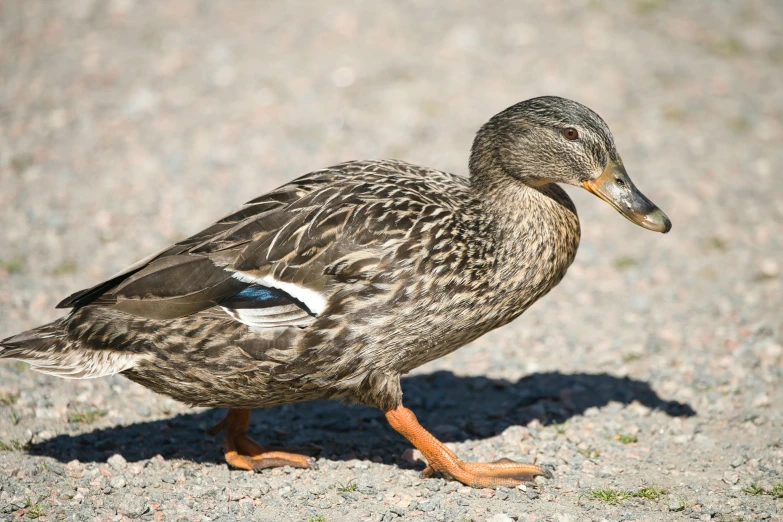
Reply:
x=667, y=225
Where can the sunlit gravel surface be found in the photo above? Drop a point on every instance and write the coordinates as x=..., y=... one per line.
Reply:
x=649, y=380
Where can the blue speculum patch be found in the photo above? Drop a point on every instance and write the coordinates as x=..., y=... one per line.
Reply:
x=257, y=293
x=257, y=296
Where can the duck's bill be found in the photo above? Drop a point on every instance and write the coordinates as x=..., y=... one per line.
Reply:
x=616, y=188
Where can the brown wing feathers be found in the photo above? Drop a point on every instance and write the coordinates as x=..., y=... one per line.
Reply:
x=325, y=229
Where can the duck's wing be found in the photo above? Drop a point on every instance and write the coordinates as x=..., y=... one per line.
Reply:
x=280, y=258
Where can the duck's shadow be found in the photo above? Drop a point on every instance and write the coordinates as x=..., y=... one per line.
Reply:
x=453, y=408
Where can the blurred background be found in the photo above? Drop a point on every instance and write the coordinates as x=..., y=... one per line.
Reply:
x=126, y=125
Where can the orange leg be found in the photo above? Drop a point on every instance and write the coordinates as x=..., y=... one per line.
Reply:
x=503, y=472
x=243, y=452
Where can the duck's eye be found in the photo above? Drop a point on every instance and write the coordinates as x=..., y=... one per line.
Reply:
x=570, y=133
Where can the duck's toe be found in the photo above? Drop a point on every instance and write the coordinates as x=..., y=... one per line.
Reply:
x=279, y=459
x=503, y=472
x=244, y=453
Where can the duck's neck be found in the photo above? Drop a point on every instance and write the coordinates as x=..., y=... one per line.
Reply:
x=518, y=209
x=535, y=230
x=504, y=199
x=508, y=198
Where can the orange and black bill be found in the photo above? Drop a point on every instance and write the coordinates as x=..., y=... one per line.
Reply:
x=616, y=188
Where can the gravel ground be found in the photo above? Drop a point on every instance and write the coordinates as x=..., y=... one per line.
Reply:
x=650, y=379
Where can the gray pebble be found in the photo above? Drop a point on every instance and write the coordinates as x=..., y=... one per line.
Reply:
x=132, y=506
x=117, y=462
x=500, y=517
x=170, y=478
x=731, y=477
x=738, y=461
x=428, y=506
x=674, y=504
x=434, y=485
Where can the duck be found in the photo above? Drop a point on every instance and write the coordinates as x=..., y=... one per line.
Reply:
x=336, y=284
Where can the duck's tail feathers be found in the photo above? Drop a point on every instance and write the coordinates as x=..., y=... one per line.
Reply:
x=48, y=349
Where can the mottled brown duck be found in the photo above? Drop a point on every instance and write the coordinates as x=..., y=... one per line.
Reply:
x=336, y=284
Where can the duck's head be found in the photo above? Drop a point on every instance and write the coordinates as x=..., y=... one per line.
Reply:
x=555, y=140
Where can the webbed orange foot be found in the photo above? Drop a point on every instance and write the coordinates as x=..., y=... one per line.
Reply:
x=503, y=472
x=244, y=453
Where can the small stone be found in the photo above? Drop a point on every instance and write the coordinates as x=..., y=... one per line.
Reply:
x=739, y=461
x=46, y=435
x=141, y=102
x=117, y=462
x=487, y=493
x=515, y=434
x=132, y=506
x=532, y=494
x=412, y=455
x=428, y=506
x=433, y=485
x=500, y=517
x=761, y=401
x=640, y=409
x=169, y=478
x=56, y=468
x=451, y=486
x=47, y=413
x=674, y=504
x=118, y=482
x=343, y=76
x=769, y=268
x=731, y=477
x=592, y=411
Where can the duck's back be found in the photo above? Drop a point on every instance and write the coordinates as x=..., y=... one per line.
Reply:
x=336, y=209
